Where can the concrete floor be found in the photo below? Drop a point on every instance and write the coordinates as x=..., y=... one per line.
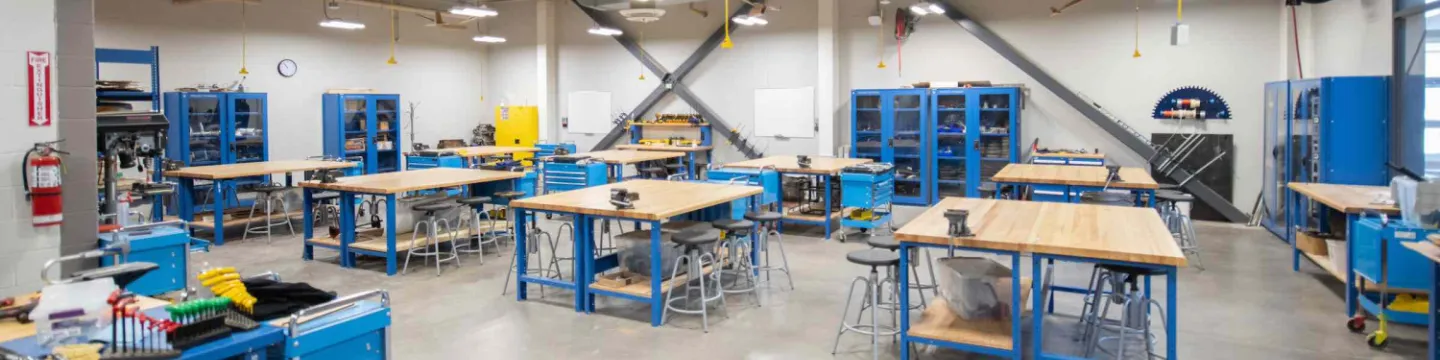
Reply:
x=1247, y=304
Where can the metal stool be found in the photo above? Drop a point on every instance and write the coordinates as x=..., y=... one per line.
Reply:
x=737, y=246
x=874, y=258
x=889, y=244
x=268, y=194
x=695, y=260
x=1123, y=282
x=325, y=209
x=768, y=221
x=1181, y=227
x=477, y=209
x=432, y=236
x=532, y=243
x=677, y=169
x=653, y=172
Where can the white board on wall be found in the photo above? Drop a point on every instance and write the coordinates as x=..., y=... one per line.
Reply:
x=589, y=112
x=785, y=112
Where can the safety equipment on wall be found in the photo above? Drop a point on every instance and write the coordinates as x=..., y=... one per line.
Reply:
x=41, y=176
x=1191, y=102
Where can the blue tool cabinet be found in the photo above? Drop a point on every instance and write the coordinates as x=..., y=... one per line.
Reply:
x=766, y=179
x=1327, y=130
x=549, y=149
x=1406, y=269
x=364, y=127
x=977, y=133
x=218, y=129
x=1064, y=159
x=894, y=126
x=166, y=246
x=564, y=176
x=417, y=162
x=872, y=192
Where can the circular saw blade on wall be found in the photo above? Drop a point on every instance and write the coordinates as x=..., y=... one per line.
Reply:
x=1188, y=103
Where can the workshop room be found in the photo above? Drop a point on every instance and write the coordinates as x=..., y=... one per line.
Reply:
x=631, y=179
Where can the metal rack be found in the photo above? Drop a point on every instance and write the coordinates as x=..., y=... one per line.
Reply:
x=364, y=127
x=218, y=129
x=149, y=57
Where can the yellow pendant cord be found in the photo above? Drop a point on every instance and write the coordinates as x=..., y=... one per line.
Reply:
x=244, y=39
x=392, y=36
x=727, y=44
x=881, y=40
x=641, y=44
x=1180, y=11
x=1137, y=30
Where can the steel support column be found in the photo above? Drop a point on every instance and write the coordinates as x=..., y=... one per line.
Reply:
x=671, y=81
x=1091, y=111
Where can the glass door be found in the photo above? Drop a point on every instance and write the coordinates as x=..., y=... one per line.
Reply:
x=992, y=121
x=247, y=135
x=1304, y=146
x=386, y=132
x=950, y=142
x=1276, y=115
x=356, y=120
x=905, y=145
x=206, y=127
x=867, y=134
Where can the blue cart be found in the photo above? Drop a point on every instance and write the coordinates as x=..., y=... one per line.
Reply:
x=867, y=194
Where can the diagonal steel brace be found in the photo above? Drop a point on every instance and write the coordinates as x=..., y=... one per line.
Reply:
x=671, y=82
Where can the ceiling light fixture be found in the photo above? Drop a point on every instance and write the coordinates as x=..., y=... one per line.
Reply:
x=919, y=9
x=751, y=20
x=341, y=24
x=605, y=31
x=474, y=11
x=488, y=39
x=936, y=9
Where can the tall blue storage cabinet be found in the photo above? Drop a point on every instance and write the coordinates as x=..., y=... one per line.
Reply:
x=977, y=133
x=218, y=129
x=370, y=125
x=1330, y=130
x=894, y=126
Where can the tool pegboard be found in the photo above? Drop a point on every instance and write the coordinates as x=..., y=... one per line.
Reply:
x=1191, y=103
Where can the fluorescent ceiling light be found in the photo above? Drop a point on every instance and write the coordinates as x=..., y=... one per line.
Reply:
x=488, y=39
x=936, y=9
x=342, y=24
x=605, y=31
x=472, y=11
x=748, y=20
x=919, y=9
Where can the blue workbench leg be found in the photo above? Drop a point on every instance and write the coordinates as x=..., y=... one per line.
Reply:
x=306, y=197
x=657, y=297
x=755, y=236
x=1016, y=306
x=1038, y=322
x=218, y=209
x=185, y=200
x=520, y=262
x=347, y=227
x=390, y=229
x=1351, y=294
x=1051, y=308
x=1434, y=289
x=588, y=236
x=826, y=195
x=1171, y=319
x=583, y=257
x=904, y=302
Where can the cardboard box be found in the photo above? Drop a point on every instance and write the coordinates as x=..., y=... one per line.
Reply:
x=617, y=279
x=1311, y=243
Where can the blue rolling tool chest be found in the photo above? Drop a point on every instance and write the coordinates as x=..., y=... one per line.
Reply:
x=1050, y=193
x=870, y=190
x=1407, y=269
x=767, y=179
x=358, y=328
x=166, y=245
x=549, y=149
x=565, y=173
x=1065, y=159
x=433, y=159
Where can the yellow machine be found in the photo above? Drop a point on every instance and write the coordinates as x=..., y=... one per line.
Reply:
x=517, y=126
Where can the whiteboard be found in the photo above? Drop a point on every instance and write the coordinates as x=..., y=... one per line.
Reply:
x=589, y=112
x=785, y=112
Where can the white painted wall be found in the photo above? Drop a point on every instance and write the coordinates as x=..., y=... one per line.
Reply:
x=1234, y=49
x=511, y=71
x=201, y=43
x=24, y=248
x=1350, y=38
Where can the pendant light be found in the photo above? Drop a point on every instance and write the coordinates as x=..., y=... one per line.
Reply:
x=394, y=16
x=244, y=39
x=1137, y=30
x=727, y=44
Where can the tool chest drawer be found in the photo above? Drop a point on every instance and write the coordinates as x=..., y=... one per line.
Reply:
x=1050, y=193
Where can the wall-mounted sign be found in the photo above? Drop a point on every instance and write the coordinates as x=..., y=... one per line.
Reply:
x=38, y=72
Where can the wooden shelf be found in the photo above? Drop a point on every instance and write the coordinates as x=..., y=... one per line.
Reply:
x=374, y=239
x=797, y=215
x=939, y=323
x=1324, y=262
x=642, y=289
x=680, y=125
x=233, y=218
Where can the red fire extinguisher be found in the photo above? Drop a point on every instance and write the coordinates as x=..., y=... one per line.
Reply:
x=42, y=170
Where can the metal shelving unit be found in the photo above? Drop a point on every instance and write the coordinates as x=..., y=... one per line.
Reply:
x=894, y=126
x=370, y=125
x=218, y=129
x=149, y=58
x=977, y=132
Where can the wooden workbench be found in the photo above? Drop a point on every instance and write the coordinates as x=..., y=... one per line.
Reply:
x=626, y=157
x=1070, y=155
x=1072, y=232
x=231, y=171
x=403, y=181
x=665, y=148
x=819, y=165
x=1128, y=234
x=659, y=200
x=1349, y=199
x=1131, y=177
x=483, y=151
